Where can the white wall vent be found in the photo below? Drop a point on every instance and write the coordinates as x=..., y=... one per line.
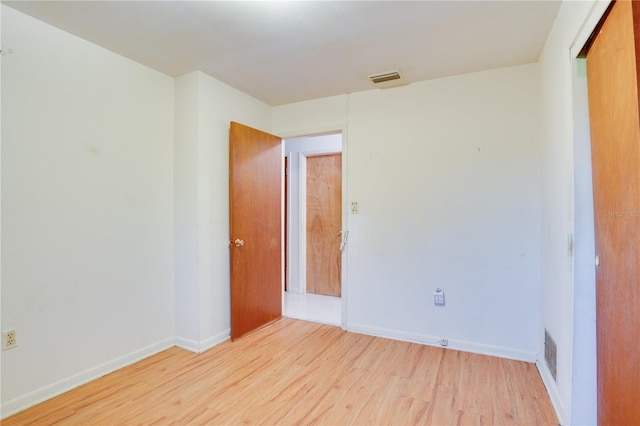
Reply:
x=550, y=354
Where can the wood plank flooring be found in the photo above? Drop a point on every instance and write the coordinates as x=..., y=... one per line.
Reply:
x=297, y=372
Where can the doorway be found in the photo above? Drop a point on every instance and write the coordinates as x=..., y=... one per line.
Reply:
x=313, y=240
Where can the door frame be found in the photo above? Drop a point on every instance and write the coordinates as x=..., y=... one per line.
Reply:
x=302, y=210
x=581, y=241
x=583, y=274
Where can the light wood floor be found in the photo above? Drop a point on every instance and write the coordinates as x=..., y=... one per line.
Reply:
x=300, y=372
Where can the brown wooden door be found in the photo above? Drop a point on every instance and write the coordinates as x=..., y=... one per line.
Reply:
x=255, y=221
x=324, y=224
x=612, y=76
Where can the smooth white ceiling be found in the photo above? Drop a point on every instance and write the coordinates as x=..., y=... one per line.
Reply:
x=287, y=51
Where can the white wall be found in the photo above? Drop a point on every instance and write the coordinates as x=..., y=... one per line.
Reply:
x=1, y=9
x=185, y=210
x=447, y=175
x=204, y=109
x=86, y=210
x=568, y=278
x=296, y=177
x=312, y=117
x=88, y=214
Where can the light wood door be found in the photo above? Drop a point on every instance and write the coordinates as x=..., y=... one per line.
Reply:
x=255, y=220
x=324, y=224
x=612, y=76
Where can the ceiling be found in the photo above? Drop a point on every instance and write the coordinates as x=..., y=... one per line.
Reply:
x=288, y=51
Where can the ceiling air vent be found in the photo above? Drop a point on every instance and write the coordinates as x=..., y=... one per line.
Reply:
x=385, y=77
x=386, y=80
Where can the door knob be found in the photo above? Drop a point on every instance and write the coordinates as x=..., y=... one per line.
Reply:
x=238, y=242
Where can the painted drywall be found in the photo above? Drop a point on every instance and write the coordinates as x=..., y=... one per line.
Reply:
x=447, y=176
x=312, y=117
x=76, y=92
x=293, y=148
x=1, y=209
x=204, y=109
x=86, y=210
x=185, y=211
x=568, y=281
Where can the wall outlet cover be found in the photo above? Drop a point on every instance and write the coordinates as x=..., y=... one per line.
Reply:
x=355, y=207
x=9, y=339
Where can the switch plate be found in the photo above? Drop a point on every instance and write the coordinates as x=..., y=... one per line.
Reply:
x=438, y=297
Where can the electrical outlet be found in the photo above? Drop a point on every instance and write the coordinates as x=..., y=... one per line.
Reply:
x=9, y=339
x=438, y=297
x=355, y=207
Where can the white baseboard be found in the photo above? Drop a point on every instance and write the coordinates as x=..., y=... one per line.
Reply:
x=188, y=344
x=199, y=347
x=215, y=340
x=25, y=401
x=460, y=345
x=552, y=390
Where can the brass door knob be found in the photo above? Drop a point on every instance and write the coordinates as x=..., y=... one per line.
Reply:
x=238, y=243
